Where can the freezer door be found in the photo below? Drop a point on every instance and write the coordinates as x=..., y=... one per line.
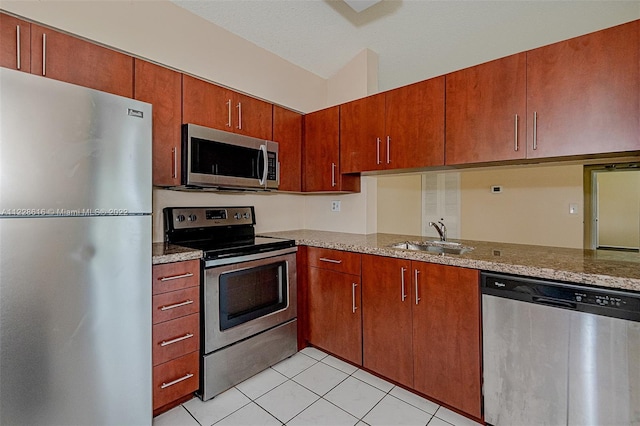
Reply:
x=68, y=148
x=75, y=329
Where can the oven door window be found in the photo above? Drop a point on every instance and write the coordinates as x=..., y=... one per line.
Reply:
x=251, y=293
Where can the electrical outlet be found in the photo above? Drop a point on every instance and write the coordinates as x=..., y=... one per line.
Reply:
x=573, y=208
x=335, y=206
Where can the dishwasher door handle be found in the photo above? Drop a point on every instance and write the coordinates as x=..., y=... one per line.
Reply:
x=553, y=302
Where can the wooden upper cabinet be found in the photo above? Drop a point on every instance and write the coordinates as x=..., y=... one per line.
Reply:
x=206, y=104
x=583, y=94
x=321, y=159
x=15, y=43
x=253, y=117
x=71, y=59
x=362, y=134
x=486, y=112
x=414, y=121
x=162, y=88
x=398, y=129
x=209, y=105
x=287, y=131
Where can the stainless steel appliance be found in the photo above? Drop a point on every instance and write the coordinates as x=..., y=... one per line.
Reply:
x=249, y=293
x=559, y=354
x=217, y=159
x=75, y=255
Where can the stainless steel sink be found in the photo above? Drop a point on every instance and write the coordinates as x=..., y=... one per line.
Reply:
x=440, y=247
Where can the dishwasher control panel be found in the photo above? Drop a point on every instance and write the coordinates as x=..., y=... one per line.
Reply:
x=577, y=297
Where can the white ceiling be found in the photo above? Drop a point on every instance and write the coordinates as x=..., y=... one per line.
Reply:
x=414, y=39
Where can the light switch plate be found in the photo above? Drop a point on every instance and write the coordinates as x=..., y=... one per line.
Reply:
x=573, y=208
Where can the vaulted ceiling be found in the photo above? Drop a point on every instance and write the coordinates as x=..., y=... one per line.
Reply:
x=414, y=39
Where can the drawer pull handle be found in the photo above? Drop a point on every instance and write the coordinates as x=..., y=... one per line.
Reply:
x=177, y=305
x=18, y=46
x=324, y=259
x=176, y=381
x=176, y=340
x=176, y=277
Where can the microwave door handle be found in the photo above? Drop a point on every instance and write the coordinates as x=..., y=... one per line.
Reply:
x=263, y=179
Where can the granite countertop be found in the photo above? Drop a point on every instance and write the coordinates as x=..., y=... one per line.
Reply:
x=612, y=269
x=168, y=253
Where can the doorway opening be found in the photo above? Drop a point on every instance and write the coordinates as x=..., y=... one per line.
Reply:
x=612, y=221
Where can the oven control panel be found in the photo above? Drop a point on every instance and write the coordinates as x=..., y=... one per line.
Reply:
x=198, y=217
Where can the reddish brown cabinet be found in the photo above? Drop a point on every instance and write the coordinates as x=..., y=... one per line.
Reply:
x=321, y=159
x=387, y=317
x=334, y=303
x=399, y=129
x=71, y=59
x=15, y=43
x=446, y=335
x=209, y=105
x=583, y=94
x=175, y=333
x=486, y=112
x=432, y=343
x=287, y=131
x=162, y=88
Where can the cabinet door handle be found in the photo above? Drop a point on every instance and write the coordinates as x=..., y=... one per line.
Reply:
x=174, y=165
x=378, y=151
x=535, y=130
x=229, y=113
x=333, y=174
x=353, y=297
x=176, y=305
x=239, y=115
x=515, y=137
x=324, y=259
x=44, y=54
x=18, y=46
x=176, y=340
x=403, y=293
x=176, y=277
x=416, y=273
x=176, y=381
x=388, y=149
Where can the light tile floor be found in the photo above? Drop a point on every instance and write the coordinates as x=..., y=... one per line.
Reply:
x=312, y=388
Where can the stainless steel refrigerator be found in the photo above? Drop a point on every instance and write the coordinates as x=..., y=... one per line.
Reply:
x=75, y=255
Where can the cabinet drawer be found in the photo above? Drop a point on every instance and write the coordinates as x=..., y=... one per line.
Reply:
x=175, y=276
x=334, y=260
x=175, y=379
x=175, y=304
x=175, y=338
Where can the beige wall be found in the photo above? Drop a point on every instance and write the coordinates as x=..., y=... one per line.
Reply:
x=400, y=204
x=359, y=76
x=619, y=209
x=532, y=209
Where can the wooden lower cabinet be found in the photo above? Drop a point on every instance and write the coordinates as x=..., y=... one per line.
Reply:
x=176, y=333
x=421, y=328
x=334, y=308
x=387, y=317
x=446, y=336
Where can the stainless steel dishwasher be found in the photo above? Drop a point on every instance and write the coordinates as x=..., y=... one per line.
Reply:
x=559, y=354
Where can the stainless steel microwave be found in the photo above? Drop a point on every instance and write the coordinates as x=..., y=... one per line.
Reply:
x=216, y=159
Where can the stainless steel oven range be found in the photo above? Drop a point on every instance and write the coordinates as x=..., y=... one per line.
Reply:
x=248, y=293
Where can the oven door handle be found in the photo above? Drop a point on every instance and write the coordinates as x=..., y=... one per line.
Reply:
x=265, y=165
x=256, y=256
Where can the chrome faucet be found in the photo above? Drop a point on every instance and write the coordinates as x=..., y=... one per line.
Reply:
x=442, y=229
